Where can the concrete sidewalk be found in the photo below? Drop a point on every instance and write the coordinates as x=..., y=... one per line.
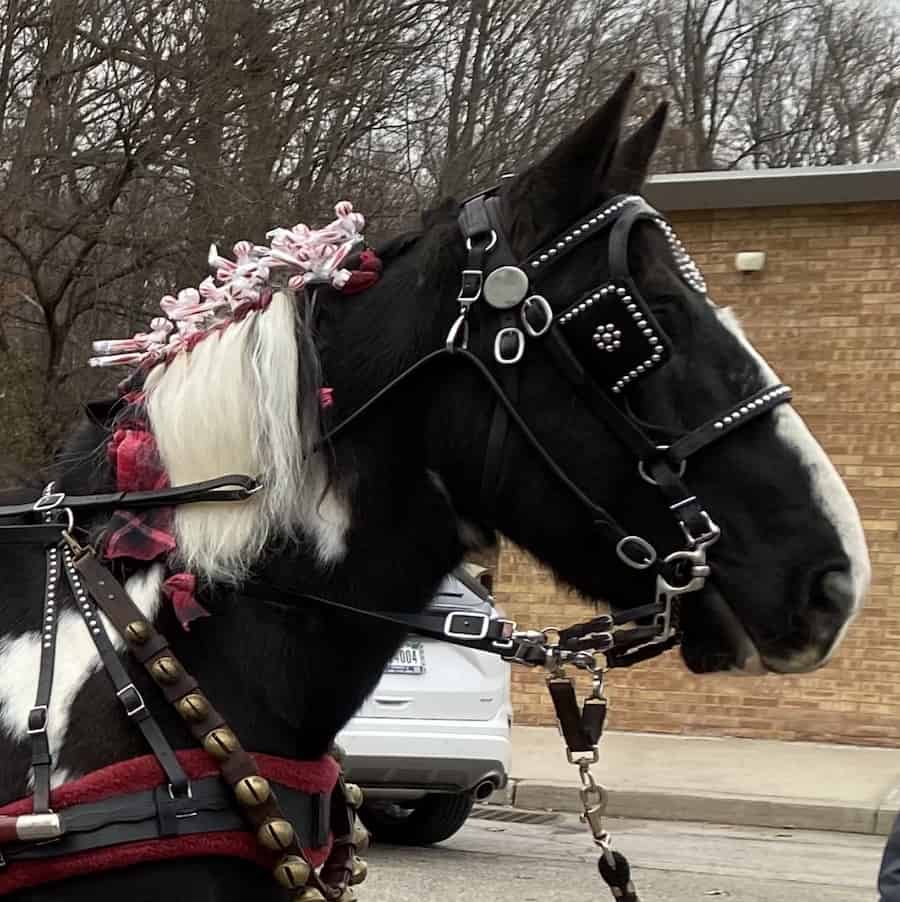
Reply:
x=746, y=782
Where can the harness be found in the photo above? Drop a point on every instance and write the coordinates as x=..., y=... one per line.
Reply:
x=603, y=342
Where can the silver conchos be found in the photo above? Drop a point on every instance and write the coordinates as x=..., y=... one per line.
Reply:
x=505, y=287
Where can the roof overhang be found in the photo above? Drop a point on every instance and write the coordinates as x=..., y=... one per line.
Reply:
x=730, y=189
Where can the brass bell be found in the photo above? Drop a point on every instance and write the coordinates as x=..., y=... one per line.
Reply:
x=276, y=834
x=361, y=837
x=252, y=791
x=348, y=895
x=138, y=632
x=360, y=872
x=220, y=743
x=292, y=872
x=193, y=707
x=354, y=794
x=165, y=670
x=310, y=894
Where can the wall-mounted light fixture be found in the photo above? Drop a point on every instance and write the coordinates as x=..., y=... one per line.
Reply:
x=750, y=261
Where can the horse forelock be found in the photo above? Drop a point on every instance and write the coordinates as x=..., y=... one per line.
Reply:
x=245, y=400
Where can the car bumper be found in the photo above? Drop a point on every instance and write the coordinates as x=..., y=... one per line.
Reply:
x=427, y=755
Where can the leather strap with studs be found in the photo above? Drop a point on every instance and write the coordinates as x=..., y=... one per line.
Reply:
x=253, y=792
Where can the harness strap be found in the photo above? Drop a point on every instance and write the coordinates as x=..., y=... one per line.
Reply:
x=41, y=760
x=129, y=696
x=233, y=487
x=205, y=724
x=156, y=813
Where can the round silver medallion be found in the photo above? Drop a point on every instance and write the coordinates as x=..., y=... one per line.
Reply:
x=505, y=287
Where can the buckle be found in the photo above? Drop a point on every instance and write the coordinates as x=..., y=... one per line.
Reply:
x=131, y=700
x=710, y=535
x=37, y=720
x=466, y=625
x=509, y=358
x=49, y=502
x=470, y=288
x=504, y=642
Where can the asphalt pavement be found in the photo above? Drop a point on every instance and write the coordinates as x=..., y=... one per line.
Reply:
x=552, y=859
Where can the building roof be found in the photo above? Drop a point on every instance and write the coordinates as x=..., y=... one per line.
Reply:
x=733, y=188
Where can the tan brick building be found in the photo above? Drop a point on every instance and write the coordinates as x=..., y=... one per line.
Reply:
x=825, y=311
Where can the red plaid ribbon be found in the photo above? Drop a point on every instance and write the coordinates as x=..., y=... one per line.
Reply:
x=148, y=535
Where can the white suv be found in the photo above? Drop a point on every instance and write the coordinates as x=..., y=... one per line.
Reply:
x=434, y=736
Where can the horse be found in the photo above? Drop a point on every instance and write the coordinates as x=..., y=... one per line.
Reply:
x=375, y=514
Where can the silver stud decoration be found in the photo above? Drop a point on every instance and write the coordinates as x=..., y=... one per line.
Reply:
x=591, y=224
x=608, y=338
x=689, y=270
x=735, y=415
x=50, y=607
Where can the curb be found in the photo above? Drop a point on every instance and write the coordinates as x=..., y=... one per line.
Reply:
x=873, y=818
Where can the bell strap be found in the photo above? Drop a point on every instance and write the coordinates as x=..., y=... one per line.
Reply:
x=254, y=793
x=129, y=696
x=234, y=487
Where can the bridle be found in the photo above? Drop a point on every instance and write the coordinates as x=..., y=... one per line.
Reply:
x=603, y=342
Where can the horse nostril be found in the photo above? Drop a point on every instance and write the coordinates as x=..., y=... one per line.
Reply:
x=834, y=592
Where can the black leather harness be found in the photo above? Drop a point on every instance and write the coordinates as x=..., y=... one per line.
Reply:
x=602, y=343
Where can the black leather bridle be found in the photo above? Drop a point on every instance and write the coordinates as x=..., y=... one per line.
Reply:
x=602, y=343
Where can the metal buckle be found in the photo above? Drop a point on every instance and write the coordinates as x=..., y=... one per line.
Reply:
x=682, y=467
x=463, y=633
x=49, y=502
x=508, y=629
x=189, y=795
x=42, y=711
x=474, y=292
x=536, y=300
x=520, y=346
x=137, y=700
x=489, y=247
x=707, y=538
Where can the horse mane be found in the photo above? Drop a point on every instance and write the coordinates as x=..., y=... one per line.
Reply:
x=245, y=399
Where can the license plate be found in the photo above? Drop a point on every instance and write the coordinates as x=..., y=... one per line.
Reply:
x=409, y=658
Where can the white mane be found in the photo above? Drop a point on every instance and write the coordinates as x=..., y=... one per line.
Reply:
x=231, y=405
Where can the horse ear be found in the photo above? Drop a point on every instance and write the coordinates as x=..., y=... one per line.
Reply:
x=629, y=169
x=567, y=181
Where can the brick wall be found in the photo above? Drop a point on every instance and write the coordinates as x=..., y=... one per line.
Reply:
x=826, y=314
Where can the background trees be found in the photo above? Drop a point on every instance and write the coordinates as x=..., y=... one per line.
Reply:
x=134, y=132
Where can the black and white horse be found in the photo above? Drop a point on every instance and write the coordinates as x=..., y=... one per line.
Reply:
x=376, y=519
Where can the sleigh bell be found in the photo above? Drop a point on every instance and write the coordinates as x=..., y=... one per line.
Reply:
x=138, y=632
x=354, y=795
x=220, y=743
x=165, y=670
x=361, y=837
x=292, y=872
x=193, y=707
x=310, y=894
x=276, y=834
x=252, y=791
x=360, y=871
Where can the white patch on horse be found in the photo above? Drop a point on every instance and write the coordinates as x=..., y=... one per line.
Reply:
x=75, y=661
x=830, y=492
x=231, y=405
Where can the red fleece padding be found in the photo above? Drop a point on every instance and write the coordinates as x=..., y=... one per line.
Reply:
x=145, y=773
